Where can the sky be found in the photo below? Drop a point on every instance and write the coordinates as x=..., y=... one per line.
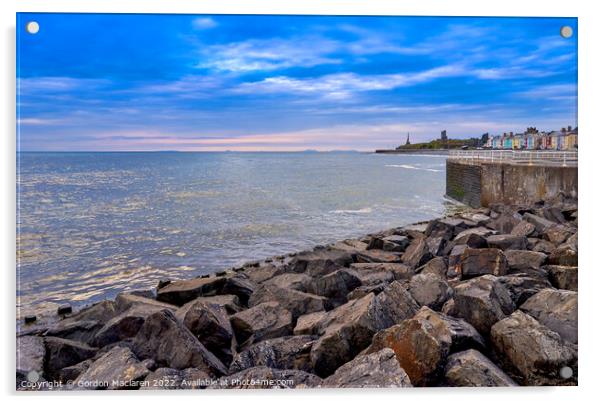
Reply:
x=109, y=82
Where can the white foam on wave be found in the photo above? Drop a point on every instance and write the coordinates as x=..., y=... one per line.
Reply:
x=409, y=167
x=352, y=211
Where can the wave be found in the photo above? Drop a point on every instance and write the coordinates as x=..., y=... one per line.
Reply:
x=352, y=211
x=409, y=167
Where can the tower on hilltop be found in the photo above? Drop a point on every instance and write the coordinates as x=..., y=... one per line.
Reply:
x=408, y=139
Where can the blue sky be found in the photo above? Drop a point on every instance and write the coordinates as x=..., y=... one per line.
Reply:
x=183, y=82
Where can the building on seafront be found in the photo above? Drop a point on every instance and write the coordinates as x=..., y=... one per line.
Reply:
x=533, y=139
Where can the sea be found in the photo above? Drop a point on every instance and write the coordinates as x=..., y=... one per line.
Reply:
x=91, y=225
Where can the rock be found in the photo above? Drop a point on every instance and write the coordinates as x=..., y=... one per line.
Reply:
x=520, y=260
x=446, y=228
x=395, y=243
x=422, y=343
x=522, y=286
x=181, y=292
x=379, y=369
x=557, y=310
x=82, y=331
x=437, y=266
x=278, y=353
x=61, y=353
x=263, y=273
x=504, y=223
x=351, y=246
x=262, y=377
x=64, y=309
x=473, y=369
x=124, y=301
x=362, y=291
x=367, y=272
x=70, y=373
x=563, y=255
x=483, y=261
x=319, y=263
x=532, y=349
x=125, y=325
x=480, y=231
x=309, y=323
x=240, y=286
x=479, y=218
x=417, y=253
x=167, y=341
x=507, y=242
x=482, y=302
x=335, y=286
x=557, y=234
x=430, y=290
x=30, y=356
x=472, y=240
x=543, y=246
x=300, y=282
x=455, y=261
x=377, y=256
x=118, y=369
x=228, y=302
x=297, y=303
x=263, y=321
x=523, y=229
x=436, y=245
x=210, y=324
x=348, y=329
x=553, y=213
x=171, y=379
x=101, y=312
x=541, y=224
x=563, y=277
x=375, y=243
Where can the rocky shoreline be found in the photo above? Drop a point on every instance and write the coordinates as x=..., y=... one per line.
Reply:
x=487, y=297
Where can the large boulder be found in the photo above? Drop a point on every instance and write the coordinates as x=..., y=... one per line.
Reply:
x=118, y=369
x=279, y=353
x=262, y=273
x=170, y=344
x=557, y=310
x=262, y=377
x=181, y=292
x=370, y=273
x=564, y=255
x=522, y=286
x=422, y=343
x=335, y=286
x=300, y=282
x=379, y=369
x=482, y=302
x=320, y=262
x=417, y=253
x=563, y=277
x=264, y=321
x=483, y=261
x=374, y=256
x=504, y=223
x=124, y=301
x=520, y=260
x=541, y=224
x=296, y=302
x=437, y=266
x=430, y=290
x=507, y=242
x=473, y=369
x=557, y=234
x=211, y=325
x=310, y=323
x=230, y=303
x=533, y=350
x=61, y=353
x=396, y=243
x=523, y=229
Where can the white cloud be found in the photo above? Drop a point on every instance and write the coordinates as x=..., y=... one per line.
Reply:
x=204, y=23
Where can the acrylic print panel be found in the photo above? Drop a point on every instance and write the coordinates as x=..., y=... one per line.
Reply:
x=256, y=201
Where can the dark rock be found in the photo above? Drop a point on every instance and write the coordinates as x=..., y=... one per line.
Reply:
x=520, y=260
x=278, y=353
x=240, y=286
x=563, y=277
x=563, y=255
x=379, y=369
x=83, y=331
x=483, y=232
x=399, y=271
x=543, y=246
x=532, y=349
x=446, y=228
x=507, y=242
x=477, y=217
x=124, y=301
x=523, y=229
x=362, y=291
x=264, y=321
x=417, y=253
x=30, y=356
x=297, y=303
x=30, y=319
x=310, y=323
x=482, y=302
x=504, y=223
x=125, y=325
x=181, y=292
x=557, y=235
x=557, y=310
x=435, y=245
x=264, y=272
x=172, y=379
x=541, y=224
x=373, y=256
x=61, y=353
x=523, y=286
x=70, y=373
x=211, y=326
x=473, y=369
x=483, y=261
x=229, y=302
x=335, y=286
x=422, y=343
x=375, y=243
x=395, y=243
x=430, y=290
x=262, y=377
x=300, y=282
x=167, y=341
x=118, y=369
x=350, y=246
x=318, y=263
x=437, y=266
x=455, y=261
x=64, y=310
